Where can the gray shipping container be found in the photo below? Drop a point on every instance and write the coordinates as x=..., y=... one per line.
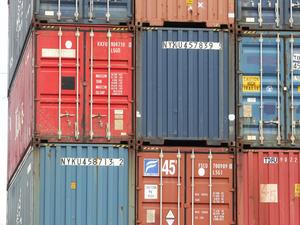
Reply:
x=73, y=184
x=23, y=13
x=185, y=85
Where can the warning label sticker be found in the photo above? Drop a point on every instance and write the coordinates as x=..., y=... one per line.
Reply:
x=297, y=190
x=251, y=84
x=150, y=191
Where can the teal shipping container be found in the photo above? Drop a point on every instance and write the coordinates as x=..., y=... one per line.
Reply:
x=73, y=184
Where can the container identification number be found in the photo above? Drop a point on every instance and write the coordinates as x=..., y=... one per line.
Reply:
x=92, y=161
x=191, y=45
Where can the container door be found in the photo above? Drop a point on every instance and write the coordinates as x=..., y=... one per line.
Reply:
x=107, y=11
x=109, y=84
x=261, y=90
x=262, y=13
x=59, y=84
x=292, y=13
x=209, y=180
x=58, y=10
x=293, y=85
x=161, y=188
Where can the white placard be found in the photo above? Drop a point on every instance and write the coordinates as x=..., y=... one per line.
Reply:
x=150, y=191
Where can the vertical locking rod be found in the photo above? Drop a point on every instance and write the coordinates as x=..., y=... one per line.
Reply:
x=59, y=82
x=193, y=186
x=91, y=12
x=108, y=131
x=107, y=11
x=277, y=15
x=58, y=10
x=259, y=7
x=178, y=186
x=278, y=91
x=77, y=84
x=210, y=187
x=91, y=85
x=292, y=92
x=161, y=156
x=76, y=13
x=291, y=20
x=261, y=126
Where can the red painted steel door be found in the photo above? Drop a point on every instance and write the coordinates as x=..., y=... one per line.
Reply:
x=59, y=80
x=161, y=188
x=109, y=85
x=193, y=187
x=210, y=189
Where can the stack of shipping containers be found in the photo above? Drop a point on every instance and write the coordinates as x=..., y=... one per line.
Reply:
x=154, y=112
x=268, y=137
x=185, y=117
x=70, y=113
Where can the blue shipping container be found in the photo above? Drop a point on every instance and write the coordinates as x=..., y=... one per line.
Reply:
x=268, y=14
x=71, y=184
x=185, y=85
x=23, y=13
x=269, y=89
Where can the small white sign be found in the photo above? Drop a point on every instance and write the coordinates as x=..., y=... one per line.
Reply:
x=150, y=191
x=270, y=160
x=251, y=100
x=250, y=19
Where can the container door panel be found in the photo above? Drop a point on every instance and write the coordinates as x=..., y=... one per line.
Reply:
x=107, y=11
x=293, y=85
x=109, y=76
x=59, y=84
x=63, y=10
x=261, y=95
x=161, y=188
x=202, y=171
x=292, y=13
x=261, y=13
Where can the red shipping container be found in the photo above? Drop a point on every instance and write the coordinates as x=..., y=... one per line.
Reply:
x=82, y=95
x=184, y=184
x=268, y=187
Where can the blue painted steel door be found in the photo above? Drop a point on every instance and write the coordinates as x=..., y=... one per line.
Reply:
x=293, y=86
x=269, y=14
x=261, y=85
x=261, y=13
x=108, y=11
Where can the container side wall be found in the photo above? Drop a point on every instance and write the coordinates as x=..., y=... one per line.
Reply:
x=20, y=195
x=20, y=17
x=20, y=107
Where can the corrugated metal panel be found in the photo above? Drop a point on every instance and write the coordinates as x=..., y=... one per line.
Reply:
x=184, y=85
x=19, y=22
x=213, y=13
x=22, y=14
x=173, y=186
x=20, y=196
x=268, y=187
x=269, y=89
x=21, y=110
x=78, y=192
x=268, y=14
